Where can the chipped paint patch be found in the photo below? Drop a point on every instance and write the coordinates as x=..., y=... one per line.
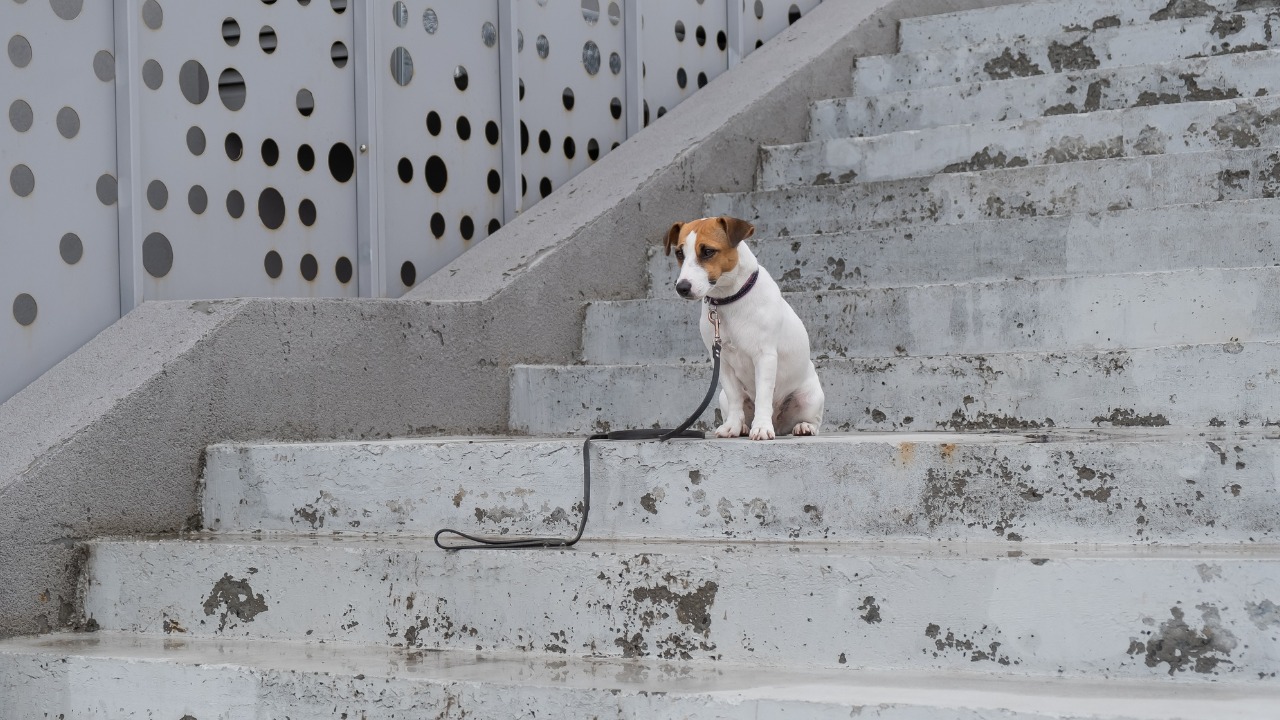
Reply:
x=236, y=598
x=1183, y=647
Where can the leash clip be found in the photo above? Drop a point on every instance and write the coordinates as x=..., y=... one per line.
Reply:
x=714, y=316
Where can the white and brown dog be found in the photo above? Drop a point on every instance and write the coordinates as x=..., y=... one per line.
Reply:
x=766, y=373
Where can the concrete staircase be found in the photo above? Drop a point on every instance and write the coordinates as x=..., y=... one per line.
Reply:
x=1056, y=221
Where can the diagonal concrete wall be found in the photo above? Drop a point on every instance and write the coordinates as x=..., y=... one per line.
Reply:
x=110, y=441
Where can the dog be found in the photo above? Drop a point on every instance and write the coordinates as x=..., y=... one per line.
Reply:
x=766, y=373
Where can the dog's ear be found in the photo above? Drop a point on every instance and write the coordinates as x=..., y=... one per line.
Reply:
x=673, y=238
x=737, y=230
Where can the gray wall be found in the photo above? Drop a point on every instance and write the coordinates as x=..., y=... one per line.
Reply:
x=110, y=441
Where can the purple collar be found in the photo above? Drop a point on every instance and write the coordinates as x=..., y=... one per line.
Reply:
x=751, y=282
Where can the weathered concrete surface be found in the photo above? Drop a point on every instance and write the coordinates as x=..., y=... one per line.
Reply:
x=1198, y=386
x=1090, y=312
x=1194, y=613
x=1005, y=24
x=1170, y=237
x=1131, y=132
x=1153, y=42
x=87, y=676
x=1193, y=80
x=1055, y=189
x=1121, y=485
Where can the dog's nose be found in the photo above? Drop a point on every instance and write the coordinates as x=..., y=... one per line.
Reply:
x=684, y=287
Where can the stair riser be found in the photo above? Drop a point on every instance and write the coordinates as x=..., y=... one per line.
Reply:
x=1197, y=387
x=1077, y=313
x=1199, y=79
x=1168, y=238
x=1008, y=23
x=951, y=487
x=1163, y=129
x=954, y=198
x=1027, y=57
x=715, y=603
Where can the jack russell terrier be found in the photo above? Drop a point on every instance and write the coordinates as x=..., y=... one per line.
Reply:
x=766, y=372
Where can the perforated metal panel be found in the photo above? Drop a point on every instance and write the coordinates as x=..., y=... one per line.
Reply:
x=59, y=274
x=686, y=44
x=763, y=19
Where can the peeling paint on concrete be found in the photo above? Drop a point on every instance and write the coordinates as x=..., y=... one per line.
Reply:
x=1008, y=65
x=236, y=598
x=1183, y=647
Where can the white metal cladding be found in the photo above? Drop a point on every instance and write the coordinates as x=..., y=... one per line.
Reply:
x=169, y=149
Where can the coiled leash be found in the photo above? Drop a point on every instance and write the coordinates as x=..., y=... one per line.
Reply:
x=661, y=434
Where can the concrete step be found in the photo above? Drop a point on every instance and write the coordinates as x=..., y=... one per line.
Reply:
x=1148, y=240
x=1132, y=132
x=1006, y=23
x=1117, y=485
x=1134, y=310
x=96, y=677
x=1222, y=77
x=1192, y=386
x=952, y=198
x=1198, y=613
x=1140, y=44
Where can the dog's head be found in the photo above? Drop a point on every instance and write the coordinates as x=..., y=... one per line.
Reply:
x=706, y=249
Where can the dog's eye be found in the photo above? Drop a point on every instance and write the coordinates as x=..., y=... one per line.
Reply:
x=679, y=256
x=706, y=252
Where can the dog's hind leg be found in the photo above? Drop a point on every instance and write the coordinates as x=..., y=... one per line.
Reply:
x=802, y=412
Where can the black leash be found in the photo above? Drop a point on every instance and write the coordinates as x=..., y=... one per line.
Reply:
x=661, y=434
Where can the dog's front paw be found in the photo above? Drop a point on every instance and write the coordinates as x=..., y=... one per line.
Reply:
x=731, y=429
x=804, y=428
x=762, y=431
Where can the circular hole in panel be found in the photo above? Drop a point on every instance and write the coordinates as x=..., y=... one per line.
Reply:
x=104, y=65
x=270, y=208
x=494, y=226
x=152, y=74
x=68, y=121
x=593, y=149
x=433, y=123
x=524, y=186
x=615, y=108
x=70, y=248
x=488, y=34
x=197, y=200
x=157, y=255
x=152, y=14
x=309, y=267
x=495, y=182
x=67, y=9
x=614, y=146
x=467, y=227
x=646, y=114
x=437, y=225
x=21, y=116
x=661, y=111
x=25, y=309
x=570, y=148
x=463, y=126
x=268, y=2
x=342, y=163
x=524, y=138
x=793, y=14
x=23, y=182
x=306, y=158
x=195, y=140
x=700, y=34
x=460, y=78
x=231, y=32
x=267, y=39
x=270, y=152
x=339, y=6
x=759, y=9
x=408, y=274
x=543, y=45
x=544, y=187
x=702, y=79
x=491, y=132
x=401, y=66
x=194, y=82
x=591, y=57
x=544, y=141
x=430, y=21
x=338, y=54
x=343, y=270
x=682, y=78
x=157, y=195
x=591, y=11
x=273, y=264
x=304, y=3
x=231, y=89
x=437, y=174
x=400, y=13
x=679, y=31
x=19, y=51
x=759, y=44
x=615, y=63
x=519, y=40
x=234, y=147
x=615, y=13
x=566, y=98
x=235, y=204
x=722, y=41
x=306, y=102
x=404, y=169
x=307, y=212
x=522, y=88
